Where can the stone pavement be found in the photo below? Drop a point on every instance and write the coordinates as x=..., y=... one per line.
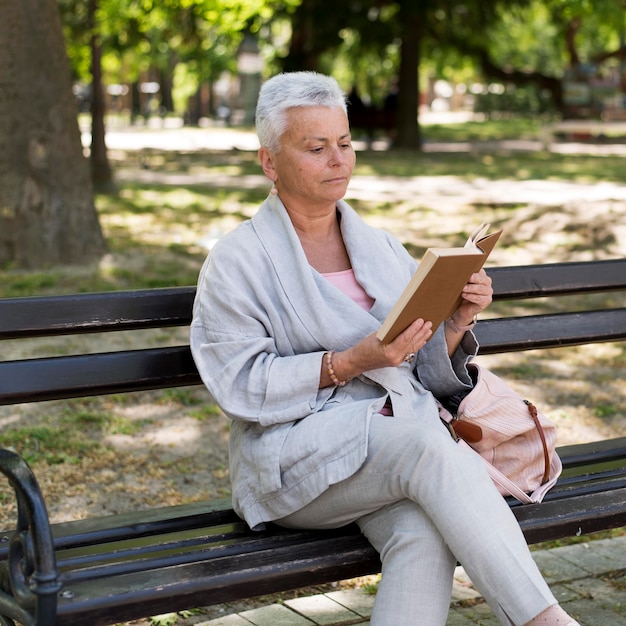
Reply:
x=589, y=579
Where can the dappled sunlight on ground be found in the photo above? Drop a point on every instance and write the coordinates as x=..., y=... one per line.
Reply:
x=170, y=435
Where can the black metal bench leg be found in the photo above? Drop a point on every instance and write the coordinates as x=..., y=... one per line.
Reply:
x=30, y=574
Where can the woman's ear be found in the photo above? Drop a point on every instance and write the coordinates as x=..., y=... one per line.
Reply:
x=267, y=164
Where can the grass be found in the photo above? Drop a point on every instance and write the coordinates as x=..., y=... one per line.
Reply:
x=493, y=129
x=74, y=429
x=68, y=434
x=494, y=165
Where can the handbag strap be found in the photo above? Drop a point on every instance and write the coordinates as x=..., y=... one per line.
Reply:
x=500, y=479
x=532, y=409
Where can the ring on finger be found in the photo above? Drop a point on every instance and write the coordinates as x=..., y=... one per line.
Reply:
x=408, y=358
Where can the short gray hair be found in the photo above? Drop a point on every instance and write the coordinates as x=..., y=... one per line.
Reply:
x=292, y=89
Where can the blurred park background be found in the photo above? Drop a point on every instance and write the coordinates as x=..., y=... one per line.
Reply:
x=127, y=149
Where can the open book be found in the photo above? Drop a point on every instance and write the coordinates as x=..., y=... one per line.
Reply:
x=434, y=291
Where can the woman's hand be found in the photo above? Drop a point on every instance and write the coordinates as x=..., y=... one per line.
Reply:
x=476, y=297
x=370, y=353
x=410, y=341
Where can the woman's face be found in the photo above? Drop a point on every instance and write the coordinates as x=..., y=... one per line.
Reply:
x=316, y=158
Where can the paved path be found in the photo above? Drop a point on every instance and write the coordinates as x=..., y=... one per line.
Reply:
x=429, y=190
x=170, y=134
x=589, y=579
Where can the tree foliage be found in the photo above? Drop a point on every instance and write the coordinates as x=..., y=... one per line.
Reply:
x=538, y=42
x=370, y=43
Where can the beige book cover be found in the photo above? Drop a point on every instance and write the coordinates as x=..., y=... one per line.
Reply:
x=434, y=291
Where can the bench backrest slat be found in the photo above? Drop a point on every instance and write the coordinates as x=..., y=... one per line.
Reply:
x=160, y=308
x=557, y=279
x=532, y=332
x=40, y=316
x=54, y=378
x=82, y=375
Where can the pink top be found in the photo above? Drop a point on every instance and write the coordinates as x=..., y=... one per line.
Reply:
x=346, y=281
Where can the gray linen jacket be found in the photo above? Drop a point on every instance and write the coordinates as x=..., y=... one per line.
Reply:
x=262, y=320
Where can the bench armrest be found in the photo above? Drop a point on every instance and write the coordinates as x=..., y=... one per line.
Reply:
x=31, y=571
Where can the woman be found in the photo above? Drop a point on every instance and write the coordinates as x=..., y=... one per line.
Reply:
x=329, y=426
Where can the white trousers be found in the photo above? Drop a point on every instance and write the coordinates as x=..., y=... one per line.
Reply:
x=423, y=502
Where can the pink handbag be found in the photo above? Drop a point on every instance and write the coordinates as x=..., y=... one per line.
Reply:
x=516, y=442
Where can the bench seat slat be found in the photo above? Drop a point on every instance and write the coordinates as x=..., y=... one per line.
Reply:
x=169, y=551
x=578, y=488
x=572, y=517
x=143, y=523
x=218, y=580
x=137, y=549
x=322, y=559
x=593, y=451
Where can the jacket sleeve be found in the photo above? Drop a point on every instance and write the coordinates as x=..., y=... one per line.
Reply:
x=233, y=342
x=443, y=375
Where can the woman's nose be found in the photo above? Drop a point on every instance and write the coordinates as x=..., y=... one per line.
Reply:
x=336, y=156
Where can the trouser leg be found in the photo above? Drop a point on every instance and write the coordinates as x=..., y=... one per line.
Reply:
x=416, y=460
x=417, y=565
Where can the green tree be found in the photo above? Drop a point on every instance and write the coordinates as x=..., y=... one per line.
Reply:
x=413, y=27
x=537, y=42
x=128, y=39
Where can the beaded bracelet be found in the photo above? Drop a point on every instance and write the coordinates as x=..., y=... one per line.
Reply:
x=457, y=328
x=331, y=371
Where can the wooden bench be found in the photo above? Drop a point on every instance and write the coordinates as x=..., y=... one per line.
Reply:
x=121, y=567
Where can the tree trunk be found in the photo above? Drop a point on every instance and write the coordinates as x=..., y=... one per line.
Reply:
x=135, y=102
x=407, y=131
x=165, y=88
x=101, y=174
x=571, y=32
x=303, y=50
x=47, y=212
